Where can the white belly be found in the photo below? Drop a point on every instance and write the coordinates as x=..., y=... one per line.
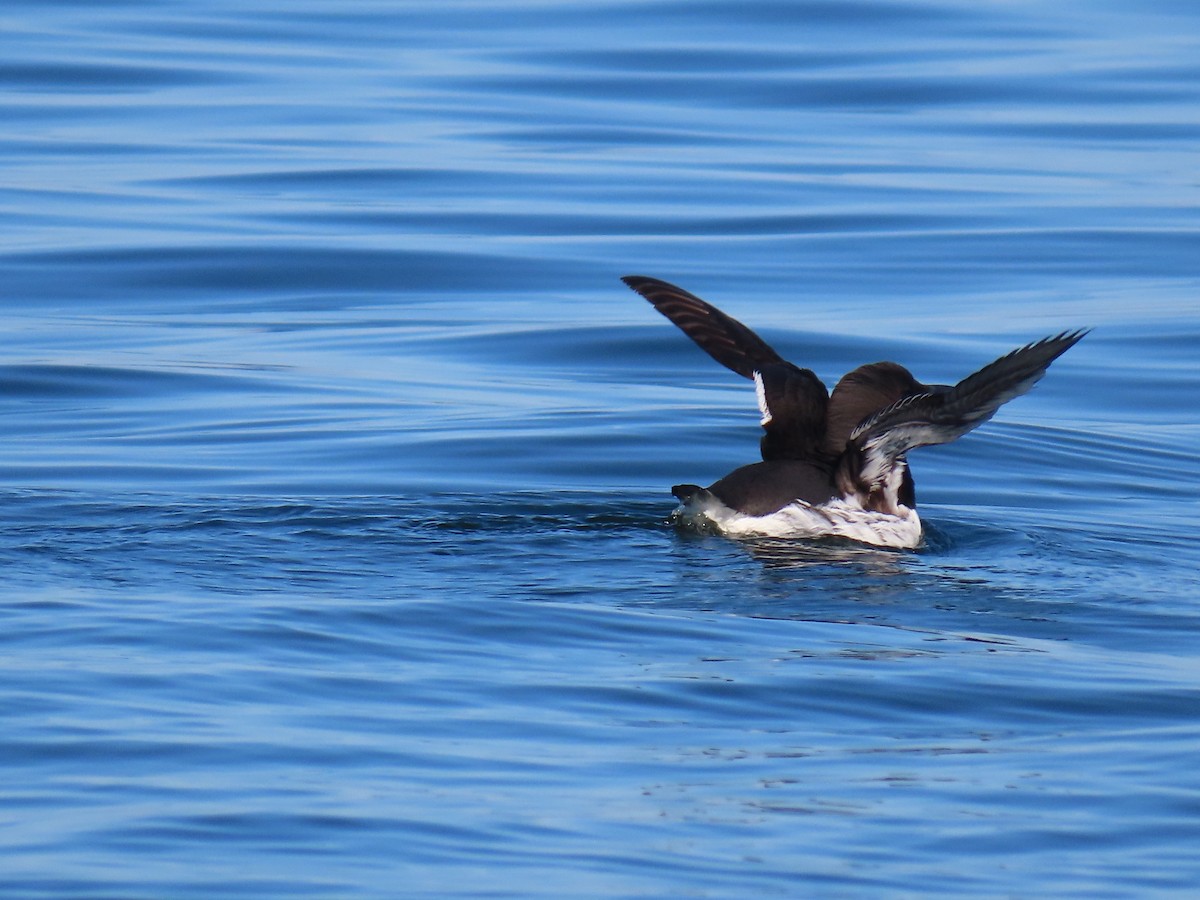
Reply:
x=838, y=518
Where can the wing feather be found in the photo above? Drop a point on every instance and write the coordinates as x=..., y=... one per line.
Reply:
x=723, y=337
x=937, y=418
x=792, y=400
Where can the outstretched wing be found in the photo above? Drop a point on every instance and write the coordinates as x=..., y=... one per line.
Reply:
x=793, y=403
x=724, y=338
x=792, y=400
x=937, y=418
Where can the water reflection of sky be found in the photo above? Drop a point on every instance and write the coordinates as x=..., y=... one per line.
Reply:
x=336, y=458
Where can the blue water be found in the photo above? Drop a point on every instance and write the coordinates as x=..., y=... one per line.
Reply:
x=334, y=470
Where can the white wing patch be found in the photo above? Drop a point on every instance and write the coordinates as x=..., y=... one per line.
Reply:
x=883, y=450
x=760, y=391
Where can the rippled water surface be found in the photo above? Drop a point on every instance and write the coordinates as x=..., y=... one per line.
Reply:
x=335, y=456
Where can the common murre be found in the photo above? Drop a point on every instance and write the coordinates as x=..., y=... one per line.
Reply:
x=835, y=464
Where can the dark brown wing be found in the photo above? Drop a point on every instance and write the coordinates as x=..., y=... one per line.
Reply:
x=724, y=338
x=792, y=400
x=793, y=404
x=862, y=393
x=937, y=418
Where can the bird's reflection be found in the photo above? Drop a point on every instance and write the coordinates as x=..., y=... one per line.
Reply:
x=778, y=553
x=943, y=586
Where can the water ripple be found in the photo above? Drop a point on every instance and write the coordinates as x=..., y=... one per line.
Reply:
x=336, y=461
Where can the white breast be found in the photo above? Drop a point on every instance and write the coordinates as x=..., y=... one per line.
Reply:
x=837, y=518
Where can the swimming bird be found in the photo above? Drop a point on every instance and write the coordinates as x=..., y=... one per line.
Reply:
x=835, y=464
